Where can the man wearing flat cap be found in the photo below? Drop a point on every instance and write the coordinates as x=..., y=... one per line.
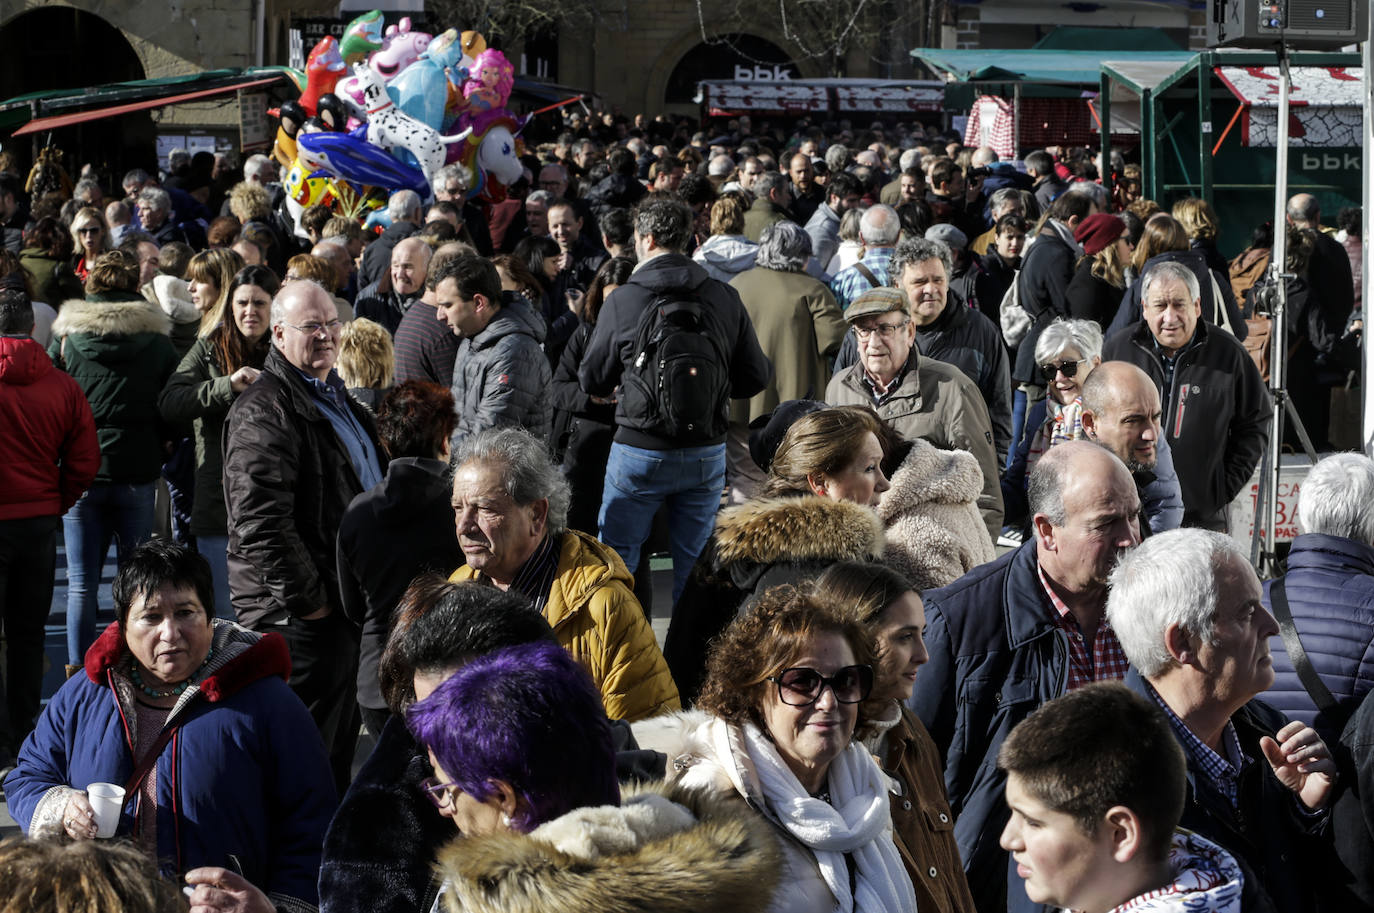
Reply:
x=919, y=396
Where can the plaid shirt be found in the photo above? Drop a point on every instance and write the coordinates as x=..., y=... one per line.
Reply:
x=1223, y=773
x=1107, y=664
x=849, y=283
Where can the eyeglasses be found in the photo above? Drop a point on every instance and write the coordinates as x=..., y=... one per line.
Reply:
x=315, y=329
x=89, y=230
x=1068, y=368
x=436, y=791
x=884, y=330
x=802, y=687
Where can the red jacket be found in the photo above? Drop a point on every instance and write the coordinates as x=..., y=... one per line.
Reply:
x=48, y=448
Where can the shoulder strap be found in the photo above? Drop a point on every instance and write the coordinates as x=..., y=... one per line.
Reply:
x=1311, y=682
x=867, y=274
x=149, y=759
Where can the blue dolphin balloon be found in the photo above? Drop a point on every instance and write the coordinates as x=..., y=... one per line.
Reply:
x=348, y=156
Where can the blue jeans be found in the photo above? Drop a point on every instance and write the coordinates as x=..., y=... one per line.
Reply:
x=215, y=549
x=106, y=511
x=639, y=481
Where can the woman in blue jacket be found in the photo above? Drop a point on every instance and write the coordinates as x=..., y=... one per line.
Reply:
x=192, y=715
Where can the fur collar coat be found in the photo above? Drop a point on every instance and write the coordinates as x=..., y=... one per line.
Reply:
x=665, y=849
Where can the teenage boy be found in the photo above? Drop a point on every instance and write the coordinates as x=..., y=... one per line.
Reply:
x=1095, y=784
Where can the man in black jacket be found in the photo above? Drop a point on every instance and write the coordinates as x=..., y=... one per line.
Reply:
x=646, y=467
x=297, y=450
x=1186, y=608
x=1216, y=411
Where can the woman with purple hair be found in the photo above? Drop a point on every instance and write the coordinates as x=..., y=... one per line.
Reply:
x=525, y=768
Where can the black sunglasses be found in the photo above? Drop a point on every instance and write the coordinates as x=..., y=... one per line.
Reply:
x=1069, y=368
x=801, y=687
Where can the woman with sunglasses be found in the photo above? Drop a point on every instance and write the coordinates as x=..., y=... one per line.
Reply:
x=890, y=610
x=1065, y=354
x=776, y=727
x=525, y=768
x=91, y=239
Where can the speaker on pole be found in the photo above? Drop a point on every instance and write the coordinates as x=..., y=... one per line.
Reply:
x=1305, y=25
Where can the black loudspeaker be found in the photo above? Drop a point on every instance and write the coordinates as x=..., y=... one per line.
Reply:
x=1312, y=25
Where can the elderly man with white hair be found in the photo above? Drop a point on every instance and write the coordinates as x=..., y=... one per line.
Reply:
x=1329, y=596
x=1186, y=608
x=405, y=211
x=1216, y=410
x=948, y=330
x=879, y=228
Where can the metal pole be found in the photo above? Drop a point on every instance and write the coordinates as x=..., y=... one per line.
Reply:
x=1016, y=121
x=1104, y=98
x=1367, y=197
x=1278, y=326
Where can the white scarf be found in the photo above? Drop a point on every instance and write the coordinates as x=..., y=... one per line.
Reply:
x=857, y=822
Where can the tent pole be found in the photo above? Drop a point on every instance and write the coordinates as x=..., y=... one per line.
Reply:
x=1367, y=195
x=1105, y=99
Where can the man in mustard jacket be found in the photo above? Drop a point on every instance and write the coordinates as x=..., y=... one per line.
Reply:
x=510, y=505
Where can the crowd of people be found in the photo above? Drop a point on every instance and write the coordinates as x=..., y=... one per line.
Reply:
x=941, y=449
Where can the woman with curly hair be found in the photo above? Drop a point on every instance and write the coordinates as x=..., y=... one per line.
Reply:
x=776, y=727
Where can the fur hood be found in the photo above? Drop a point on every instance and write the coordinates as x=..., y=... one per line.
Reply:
x=110, y=318
x=931, y=475
x=173, y=297
x=666, y=849
x=798, y=528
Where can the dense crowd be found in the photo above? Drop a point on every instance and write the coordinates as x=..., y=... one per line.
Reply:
x=942, y=451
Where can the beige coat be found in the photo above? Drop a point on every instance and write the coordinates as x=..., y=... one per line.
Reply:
x=936, y=402
x=800, y=329
x=935, y=534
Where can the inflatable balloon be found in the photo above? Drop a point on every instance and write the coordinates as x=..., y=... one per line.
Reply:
x=352, y=158
x=291, y=116
x=324, y=68
x=402, y=48
x=333, y=112
x=492, y=79
x=362, y=38
x=390, y=128
x=498, y=157
x=421, y=89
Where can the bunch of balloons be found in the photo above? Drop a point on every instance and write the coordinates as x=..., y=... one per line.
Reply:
x=384, y=110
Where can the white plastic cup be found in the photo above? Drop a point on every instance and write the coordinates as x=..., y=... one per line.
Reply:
x=107, y=801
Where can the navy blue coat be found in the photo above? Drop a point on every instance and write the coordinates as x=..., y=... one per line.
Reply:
x=1330, y=584
x=996, y=655
x=245, y=774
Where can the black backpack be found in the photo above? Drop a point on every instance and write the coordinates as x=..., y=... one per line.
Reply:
x=679, y=379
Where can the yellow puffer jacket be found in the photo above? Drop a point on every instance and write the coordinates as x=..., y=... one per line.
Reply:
x=597, y=619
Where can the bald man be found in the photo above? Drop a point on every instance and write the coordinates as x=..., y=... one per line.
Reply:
x=405, y=282
x=1121, y=412
x=1019, y=631
x=298, y=449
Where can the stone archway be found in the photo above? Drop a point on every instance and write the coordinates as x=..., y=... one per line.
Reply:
x=62, y=47
x=673, y=56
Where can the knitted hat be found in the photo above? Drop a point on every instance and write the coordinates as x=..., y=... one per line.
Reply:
x=1097, y=231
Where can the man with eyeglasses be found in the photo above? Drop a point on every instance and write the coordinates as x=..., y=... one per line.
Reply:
x=298, y=449
x=1216, y=410
x=1017, y=632
x=919, y=396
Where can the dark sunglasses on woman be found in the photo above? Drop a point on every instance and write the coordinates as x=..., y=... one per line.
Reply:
x=801, y=687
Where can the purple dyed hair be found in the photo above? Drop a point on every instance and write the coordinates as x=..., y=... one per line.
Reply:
x=528, y=715
x=491, y=58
